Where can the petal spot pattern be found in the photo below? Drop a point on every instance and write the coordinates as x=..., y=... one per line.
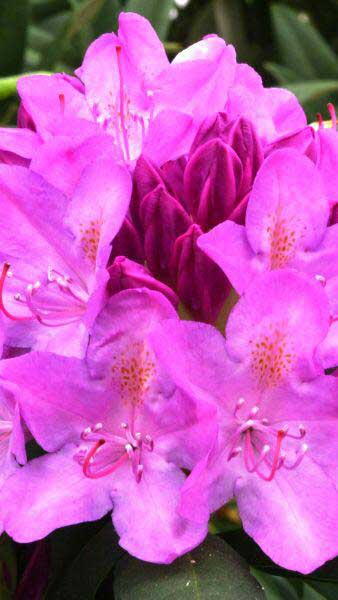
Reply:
x=90, y=239
x=271, y=357
x=283, y=240
x=133, y=371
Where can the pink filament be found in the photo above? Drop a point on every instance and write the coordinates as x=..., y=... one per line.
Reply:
x=123, y=124
x=320, y=120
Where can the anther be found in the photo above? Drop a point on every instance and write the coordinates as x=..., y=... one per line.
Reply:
x=239, y=404
x=321, y=279
x=235, y=452
x=149, y=442
x=302, y=431
x=87, y=431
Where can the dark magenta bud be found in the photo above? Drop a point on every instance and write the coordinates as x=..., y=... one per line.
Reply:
x=199, y=282
x=213, y=127
x=243, y=139
x=126, y=274
x=163, y=219
x=127, y=243
x=212, y=183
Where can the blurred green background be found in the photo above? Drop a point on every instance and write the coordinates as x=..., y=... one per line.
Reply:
x=290, y=43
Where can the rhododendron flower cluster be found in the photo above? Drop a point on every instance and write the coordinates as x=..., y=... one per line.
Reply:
x=169, y=303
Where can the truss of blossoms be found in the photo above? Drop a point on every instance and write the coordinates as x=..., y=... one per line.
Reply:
x=139, y=201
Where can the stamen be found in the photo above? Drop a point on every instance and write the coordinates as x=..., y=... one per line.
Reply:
x=89, y=460
x=138, y=473
x=332, y=112
x=299, y=457
x=276, y=458
x=239, y=404
x=321, y=279
x=320, y=120
x=302, y=433
x=86, y=432
x=123, y=124
x=149, y=442
x=254, y=431
x=129, y=450
x=62, y=103
x=235, y=452
x=261, y=457
x=4, y=274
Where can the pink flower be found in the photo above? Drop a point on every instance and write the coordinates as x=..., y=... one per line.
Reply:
x=277, y=413
x=55, y=252
x=173, y=204
x=117, y=431
x=285, y=226
x=127, y=90
x=12, y=437
x=275, y=111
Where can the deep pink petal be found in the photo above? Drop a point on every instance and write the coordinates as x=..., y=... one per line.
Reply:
x=287, y=209
x=144, y=49
x=40, y=95
x=169, y=136
x=198, y=79
x=51, y=492
x=277, y=325
x=227, y=245
x=61, y=161
x=293, y=518
x=156, y=532
x=22, y=142
x=56, y=396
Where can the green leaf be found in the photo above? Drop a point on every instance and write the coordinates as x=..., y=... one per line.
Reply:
x=275, y=587
x=89, y=568
x=8, y=568
x=13, y=25
x=157, y=11
x=310, y=594
x=213, y=571
x=307, y=91
x=326, y=589
x=8, y=84
x=282, y=74
x=231, y=25
x=106, y=19
x=202, y=23
x=300, y=46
